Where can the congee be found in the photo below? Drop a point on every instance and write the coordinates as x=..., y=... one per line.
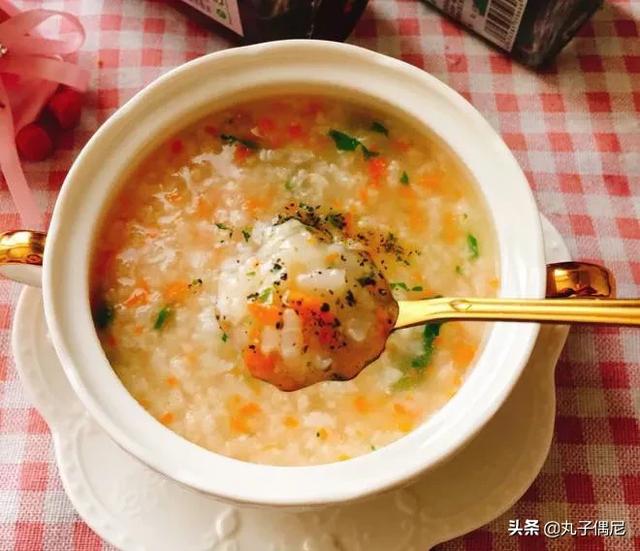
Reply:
x=271, y=234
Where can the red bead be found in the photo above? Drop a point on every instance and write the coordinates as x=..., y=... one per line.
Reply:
x=66, y=106
x=34, y=143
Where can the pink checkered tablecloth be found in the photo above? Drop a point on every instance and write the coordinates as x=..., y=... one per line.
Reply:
x=575, y=129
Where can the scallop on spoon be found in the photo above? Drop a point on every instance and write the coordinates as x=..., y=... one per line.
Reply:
x=308, y=308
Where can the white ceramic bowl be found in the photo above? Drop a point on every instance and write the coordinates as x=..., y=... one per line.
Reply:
x=225, y=77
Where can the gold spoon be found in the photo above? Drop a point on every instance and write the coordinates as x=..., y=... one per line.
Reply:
x=569, y=279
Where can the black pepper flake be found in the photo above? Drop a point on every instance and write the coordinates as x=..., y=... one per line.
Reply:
x=351, y=300
x=325, y=307
x=279, y=325
x=366, y=280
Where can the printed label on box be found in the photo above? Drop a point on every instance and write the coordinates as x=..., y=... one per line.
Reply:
x=496, y=20
x=225, y=12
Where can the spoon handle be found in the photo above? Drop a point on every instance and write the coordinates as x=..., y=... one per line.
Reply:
x=572, y=310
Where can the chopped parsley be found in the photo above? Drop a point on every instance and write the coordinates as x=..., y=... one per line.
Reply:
x=429, y=334
x=231, y=139
x=251, y=274
x=405, y=287
x=399, y=285
x=103, y=315
x=380, y=128
x=162, y=318
x=404, y=178
x=459, y=269
x=246, y=233
x=472, y=243
x=225, y=337
x=222, y=226
x=288, y=185
x=344, y=142
x=265, y=295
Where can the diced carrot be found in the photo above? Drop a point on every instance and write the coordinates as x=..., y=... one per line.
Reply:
x=363, y=194
x=176, y=291
x=241, y=153
x=290, y=421
x=463, y=354
x=331, y=258
x=167, y=418
x=138, y=329
x=137, y=297
x=377, y=170
x=249, y=409
x=204, y=209
x=259, y=365
x=361, y=404
x=450, y=230
x=266, y=314
x=313, y=108
x=430, y=181
x=172, y=381
x=239, y=424
x=254, y=204
x=407, y=192
x=296, y=131
x=266, y=126
x=142, y=284
x=399, y=145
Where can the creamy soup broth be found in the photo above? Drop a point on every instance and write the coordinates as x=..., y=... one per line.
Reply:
x=200, y=205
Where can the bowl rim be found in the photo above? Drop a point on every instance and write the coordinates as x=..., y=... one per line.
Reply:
x=68, y=313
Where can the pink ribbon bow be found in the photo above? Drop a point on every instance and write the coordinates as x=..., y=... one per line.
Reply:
x=27, y=59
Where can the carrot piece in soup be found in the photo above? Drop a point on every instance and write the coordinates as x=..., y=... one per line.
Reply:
x=259, y=365
x=463, y=354
x=176, y=291
x=167, y=418
x=266, y=314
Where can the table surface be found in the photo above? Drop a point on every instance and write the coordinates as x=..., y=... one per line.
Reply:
x=575, y=130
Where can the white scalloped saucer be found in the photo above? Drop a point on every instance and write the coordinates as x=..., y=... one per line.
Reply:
x=135, y=508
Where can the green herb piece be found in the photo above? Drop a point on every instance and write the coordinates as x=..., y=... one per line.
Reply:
x=399, y=285
x=459, y=270
x=246, y=233
x=162, y=318
x=251, y=274
x=231, y=139
x=288, y=185
x=223, y=226
x=407, y=381
x=429, y=334
x=417, y=288
x=472, y=243
x=264, y=295
x=373, y=448
x=404, y=178
x=380, y=128
x=103, y=315
x=336, y=219
x=344, y=142
x=225, y=337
